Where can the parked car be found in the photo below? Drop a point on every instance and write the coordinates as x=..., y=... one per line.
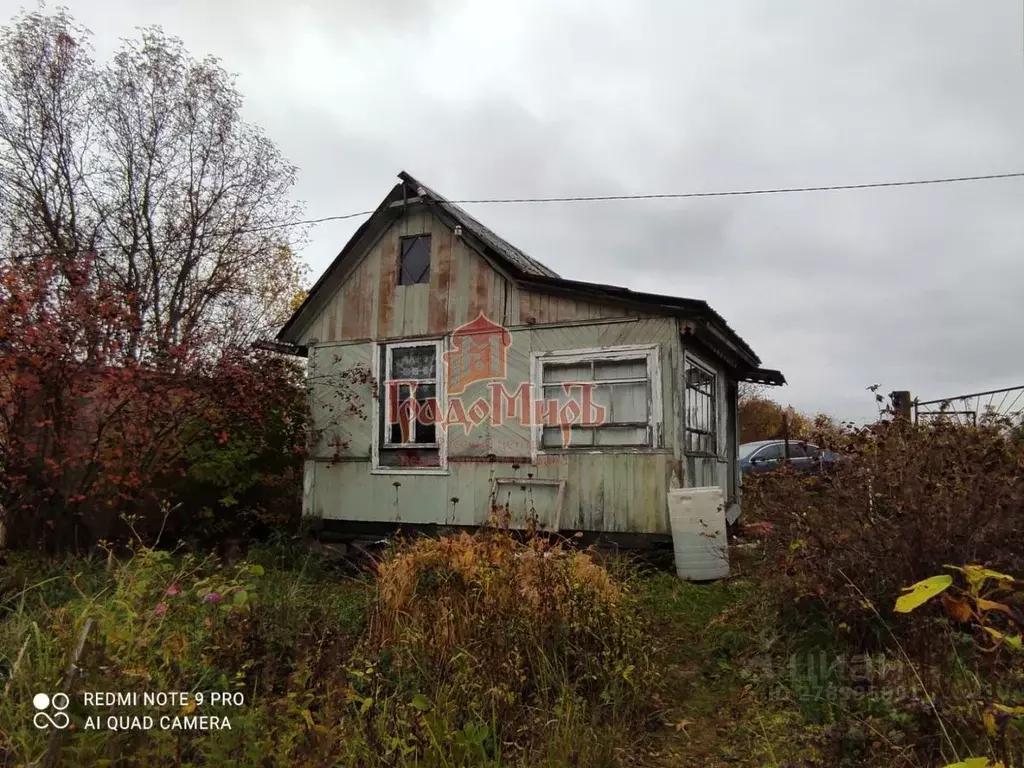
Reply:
x=766, y=455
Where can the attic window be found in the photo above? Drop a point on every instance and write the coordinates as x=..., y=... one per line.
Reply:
x=414, y=261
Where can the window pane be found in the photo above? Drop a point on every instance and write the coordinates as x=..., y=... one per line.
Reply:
x=414, y=362
x=628, y=402
x=697, y=442
x=580, y=437
x=426, y=413
x=555, y=372
x=620, y=369
x=551, y=437
x=771, y=452
x=621, y=436
x=414, y=266
x=698, y=377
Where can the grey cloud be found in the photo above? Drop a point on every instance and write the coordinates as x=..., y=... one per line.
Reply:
x=914, y=287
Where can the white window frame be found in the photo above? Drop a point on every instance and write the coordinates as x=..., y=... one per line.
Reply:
x=718, y=400
x=648, y=352
x=383, y=442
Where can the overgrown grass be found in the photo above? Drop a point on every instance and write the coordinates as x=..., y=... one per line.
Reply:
x=486, y=651
x=465, y=651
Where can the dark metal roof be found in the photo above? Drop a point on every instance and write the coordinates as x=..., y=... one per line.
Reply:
x=522, y=262
x=650, y=301
x=767, y=376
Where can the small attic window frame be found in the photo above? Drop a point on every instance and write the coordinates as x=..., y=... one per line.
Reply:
x=411, y=267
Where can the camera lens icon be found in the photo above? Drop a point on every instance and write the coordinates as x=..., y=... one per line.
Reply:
x=57, y=704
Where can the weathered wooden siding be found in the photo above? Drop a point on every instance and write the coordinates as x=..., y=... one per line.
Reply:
x=541, y=308
x=603, y=492
x=371, y=304
x=617, y=490
x=341, y=402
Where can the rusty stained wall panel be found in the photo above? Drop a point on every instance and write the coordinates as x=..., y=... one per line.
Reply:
x=371, y=304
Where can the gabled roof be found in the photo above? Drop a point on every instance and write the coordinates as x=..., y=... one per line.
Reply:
x=533, y=275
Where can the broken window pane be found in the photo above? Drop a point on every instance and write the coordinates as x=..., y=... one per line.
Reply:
x=414, y=262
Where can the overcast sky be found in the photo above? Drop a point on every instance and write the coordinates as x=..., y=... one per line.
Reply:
x=916, y=288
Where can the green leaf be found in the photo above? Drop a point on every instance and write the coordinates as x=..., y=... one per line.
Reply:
x=975, y=762
x=920, y=593
x=420, y=702
x=240, y=597
x=256, y=570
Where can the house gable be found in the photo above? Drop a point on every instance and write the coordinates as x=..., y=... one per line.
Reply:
x=370, y=303
x=363, y=295
x=472, y=271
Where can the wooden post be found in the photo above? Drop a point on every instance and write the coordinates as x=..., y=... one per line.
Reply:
x=902, y=404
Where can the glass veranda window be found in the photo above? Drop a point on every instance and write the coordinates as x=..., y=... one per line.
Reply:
x=701, y=396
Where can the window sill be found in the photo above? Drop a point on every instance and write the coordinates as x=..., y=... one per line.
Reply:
x=409, y=471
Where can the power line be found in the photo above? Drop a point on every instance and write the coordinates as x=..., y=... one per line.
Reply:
x=737, y=193
x=612, y=198
x=684, y=195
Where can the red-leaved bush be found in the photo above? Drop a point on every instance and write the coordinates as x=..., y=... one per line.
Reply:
x=96, y=435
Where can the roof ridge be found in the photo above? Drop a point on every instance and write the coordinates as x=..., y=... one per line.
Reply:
x=519, y=259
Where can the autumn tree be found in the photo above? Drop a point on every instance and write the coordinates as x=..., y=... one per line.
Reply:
x=145, y=225
x=146, y=162
x=763, y=419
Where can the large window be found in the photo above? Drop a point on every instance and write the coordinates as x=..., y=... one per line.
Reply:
x=410, y=418
x=610, y=397
x=701, y=404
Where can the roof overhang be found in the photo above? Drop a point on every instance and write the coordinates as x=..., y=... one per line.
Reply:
x=767, y=376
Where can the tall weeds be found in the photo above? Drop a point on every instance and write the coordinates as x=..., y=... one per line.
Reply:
x=516, y=644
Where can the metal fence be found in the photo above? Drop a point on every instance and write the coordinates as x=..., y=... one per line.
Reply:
x=998, y=406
